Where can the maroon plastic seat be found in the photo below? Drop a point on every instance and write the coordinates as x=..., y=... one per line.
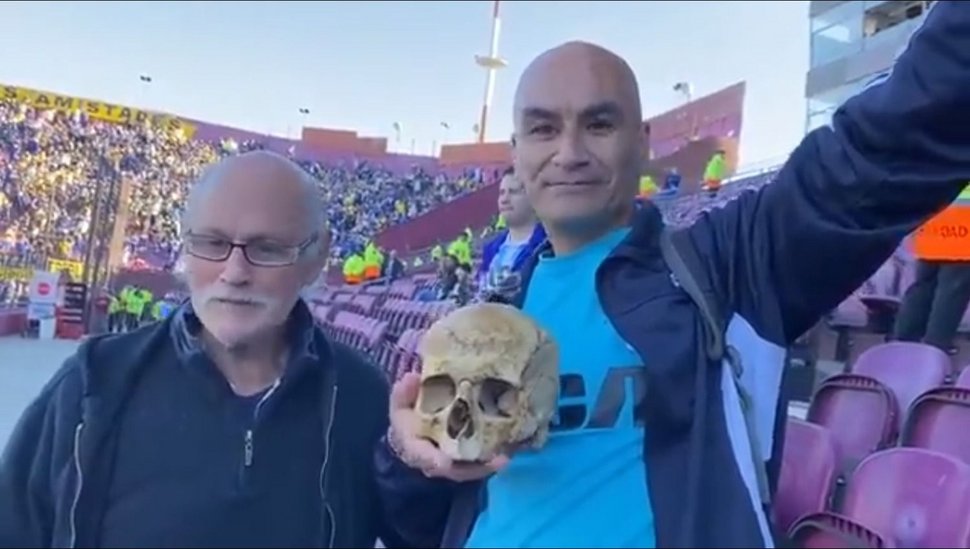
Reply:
x=833, y=531
x=920, y=498
x=859, y=411
x=908, y=369
x=911, y=497
x=809, y=468
x=940, y=420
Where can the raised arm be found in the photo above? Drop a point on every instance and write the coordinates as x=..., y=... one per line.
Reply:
x=895, y=154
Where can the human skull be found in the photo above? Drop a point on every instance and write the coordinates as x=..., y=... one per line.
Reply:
x=490, y=380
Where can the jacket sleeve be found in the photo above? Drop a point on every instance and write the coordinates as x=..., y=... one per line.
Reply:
x=416, y=508
x=34, y=458
x=895, y=154
x=410, y=510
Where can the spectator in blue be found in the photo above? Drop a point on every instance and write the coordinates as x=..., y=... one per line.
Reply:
x=671, y=184
x=660, y=439
x=504, y=255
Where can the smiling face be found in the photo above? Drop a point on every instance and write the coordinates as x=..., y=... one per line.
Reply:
x=577, y=144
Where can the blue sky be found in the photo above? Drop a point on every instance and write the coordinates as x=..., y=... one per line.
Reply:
x=365, y=65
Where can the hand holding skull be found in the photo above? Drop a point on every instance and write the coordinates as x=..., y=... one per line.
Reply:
x=489, y=384
x=420, y=453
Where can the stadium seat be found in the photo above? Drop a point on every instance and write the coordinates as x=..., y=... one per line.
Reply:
x=362, y=303
x=403, y=289
x=940, y=420
x=908, y=497
x=808, y=471
x=851, y=315
x=908, y=369
x=403, y=358
x=859, y=411
x=831, y=531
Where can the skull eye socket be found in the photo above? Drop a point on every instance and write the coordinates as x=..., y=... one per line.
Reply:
x=497, y=398
x=437, y=392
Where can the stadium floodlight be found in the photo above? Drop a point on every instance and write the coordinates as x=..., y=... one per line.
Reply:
x=491, y=63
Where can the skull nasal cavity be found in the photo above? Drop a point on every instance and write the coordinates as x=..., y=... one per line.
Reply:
x=460, y=422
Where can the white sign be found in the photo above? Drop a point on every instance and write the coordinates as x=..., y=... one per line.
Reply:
x=44, y=288
x=41, y=311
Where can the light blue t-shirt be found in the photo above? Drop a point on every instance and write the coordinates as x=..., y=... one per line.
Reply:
x=587, y=487
x=503, y=262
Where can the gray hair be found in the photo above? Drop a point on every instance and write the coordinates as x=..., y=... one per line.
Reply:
x=211, y=175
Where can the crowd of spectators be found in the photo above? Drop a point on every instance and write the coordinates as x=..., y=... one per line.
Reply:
x=50, y=163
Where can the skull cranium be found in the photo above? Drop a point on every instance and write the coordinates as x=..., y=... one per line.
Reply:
x=490, y=379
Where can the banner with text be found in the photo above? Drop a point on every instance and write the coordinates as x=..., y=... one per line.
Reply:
x=95, y=109
x=946, y=236
x=11, y=273
x=75, y=268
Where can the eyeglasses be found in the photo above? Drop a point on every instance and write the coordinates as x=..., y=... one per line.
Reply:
x=260, y=253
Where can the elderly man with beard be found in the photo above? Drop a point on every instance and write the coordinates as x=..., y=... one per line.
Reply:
x=234, y=422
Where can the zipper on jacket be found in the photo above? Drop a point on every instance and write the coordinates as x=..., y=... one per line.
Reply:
x=79, y=482
x=330, y=517
x=248, y=448
x=249, y=437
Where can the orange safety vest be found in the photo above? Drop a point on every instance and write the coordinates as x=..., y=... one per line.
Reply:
x=946, y=236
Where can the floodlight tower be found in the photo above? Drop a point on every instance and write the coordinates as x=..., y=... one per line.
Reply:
x=491, y=63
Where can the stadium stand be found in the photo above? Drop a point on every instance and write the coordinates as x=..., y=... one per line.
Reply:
x=49, y=162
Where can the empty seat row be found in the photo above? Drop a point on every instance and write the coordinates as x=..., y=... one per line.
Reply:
x=893, y=388
x=898, y=497
x=361, y=332
x=402, y=314
x=400, y=357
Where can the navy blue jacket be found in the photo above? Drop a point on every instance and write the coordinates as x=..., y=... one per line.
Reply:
x=57, y=468
x=491, y=248
x=779, y=259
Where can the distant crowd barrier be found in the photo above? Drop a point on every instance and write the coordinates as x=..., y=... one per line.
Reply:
x=13, y=321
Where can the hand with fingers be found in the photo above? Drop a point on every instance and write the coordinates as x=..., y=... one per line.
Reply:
x=420, y=453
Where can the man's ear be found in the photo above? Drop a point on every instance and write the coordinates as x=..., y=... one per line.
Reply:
x=319, y=261
x=512, y=155
x=325, y=240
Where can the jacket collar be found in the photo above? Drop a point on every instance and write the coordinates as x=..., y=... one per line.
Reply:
x=112, y=364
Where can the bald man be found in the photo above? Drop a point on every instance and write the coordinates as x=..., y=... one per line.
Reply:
x=659, y=442
x=234, y=422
